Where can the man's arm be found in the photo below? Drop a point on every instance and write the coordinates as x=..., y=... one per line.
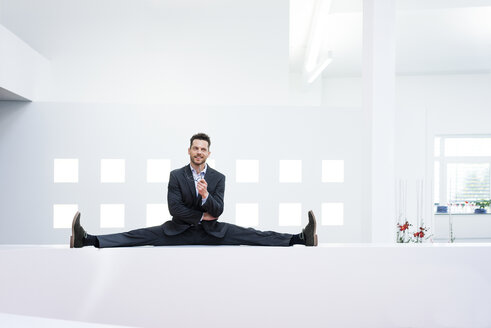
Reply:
x=177, y=208
x=214, y=202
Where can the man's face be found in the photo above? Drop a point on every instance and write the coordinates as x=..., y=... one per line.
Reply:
x=198, y=153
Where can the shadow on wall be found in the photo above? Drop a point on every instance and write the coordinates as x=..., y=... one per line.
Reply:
x=9, y=112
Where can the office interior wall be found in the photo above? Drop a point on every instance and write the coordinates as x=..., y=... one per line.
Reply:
x=32, y=135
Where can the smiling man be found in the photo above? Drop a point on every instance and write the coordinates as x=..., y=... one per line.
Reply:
x=195, y=199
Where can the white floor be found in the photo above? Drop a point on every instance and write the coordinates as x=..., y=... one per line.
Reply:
x=348, y=285
x=22, y=321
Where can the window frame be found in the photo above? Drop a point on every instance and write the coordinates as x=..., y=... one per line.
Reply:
x=444, y=160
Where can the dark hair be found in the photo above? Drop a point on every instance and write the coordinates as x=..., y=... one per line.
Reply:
x=200, y=136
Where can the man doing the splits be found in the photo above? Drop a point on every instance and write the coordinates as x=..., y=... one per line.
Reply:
x=195, y=199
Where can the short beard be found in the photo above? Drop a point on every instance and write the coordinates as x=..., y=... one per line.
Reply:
x=198, y=164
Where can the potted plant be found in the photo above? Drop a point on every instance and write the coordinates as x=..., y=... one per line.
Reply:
x=482, y=206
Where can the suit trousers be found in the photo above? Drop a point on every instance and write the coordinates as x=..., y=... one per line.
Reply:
x=195, y=235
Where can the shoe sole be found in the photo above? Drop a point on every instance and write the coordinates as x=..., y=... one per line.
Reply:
x=316, y=242
x=72, y=239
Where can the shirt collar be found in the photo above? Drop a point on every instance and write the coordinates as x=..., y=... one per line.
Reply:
x=196, y=173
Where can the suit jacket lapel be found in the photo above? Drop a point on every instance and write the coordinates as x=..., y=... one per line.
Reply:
x=190, y=181
x=209, y=174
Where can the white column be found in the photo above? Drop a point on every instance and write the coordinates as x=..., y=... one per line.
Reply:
x=379, y=109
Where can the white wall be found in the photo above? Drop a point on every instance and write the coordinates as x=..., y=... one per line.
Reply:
x=432, y=105
x=33, y=135
x=427, y=105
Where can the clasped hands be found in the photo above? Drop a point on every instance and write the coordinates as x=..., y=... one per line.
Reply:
x=203, y=191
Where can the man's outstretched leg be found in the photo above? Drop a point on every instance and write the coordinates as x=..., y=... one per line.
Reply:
x=140, y=237
x=237, y=235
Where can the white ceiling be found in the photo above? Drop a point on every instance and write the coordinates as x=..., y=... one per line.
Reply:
x=156, y=51
x=433, y=36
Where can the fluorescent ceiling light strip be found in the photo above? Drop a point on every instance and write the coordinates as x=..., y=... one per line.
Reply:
x=321, y=10
x=319, y=70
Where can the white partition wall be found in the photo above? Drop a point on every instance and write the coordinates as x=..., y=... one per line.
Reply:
x=96, y=158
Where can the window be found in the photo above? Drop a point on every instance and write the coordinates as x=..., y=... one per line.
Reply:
x=290, y=171
x=112, y=215
x=157, y=214
x=247, y=171
x=112, y=170
x=462, y=168
x=247, y=214
x=65, y=170
x=63, y=215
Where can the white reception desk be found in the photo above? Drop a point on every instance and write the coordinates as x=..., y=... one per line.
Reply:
x=348, y=285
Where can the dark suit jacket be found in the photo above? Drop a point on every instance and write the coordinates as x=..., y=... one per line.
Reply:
x=185, y=207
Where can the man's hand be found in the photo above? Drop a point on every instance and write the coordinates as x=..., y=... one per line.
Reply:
x=208, y=217
x=202, y=188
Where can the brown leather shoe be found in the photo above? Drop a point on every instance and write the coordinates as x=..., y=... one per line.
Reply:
x=309, y=232
x=78, y=233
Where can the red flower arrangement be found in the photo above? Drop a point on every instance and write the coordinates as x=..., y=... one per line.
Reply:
x=420, y=235
x=404, y=236
x=404, y=227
